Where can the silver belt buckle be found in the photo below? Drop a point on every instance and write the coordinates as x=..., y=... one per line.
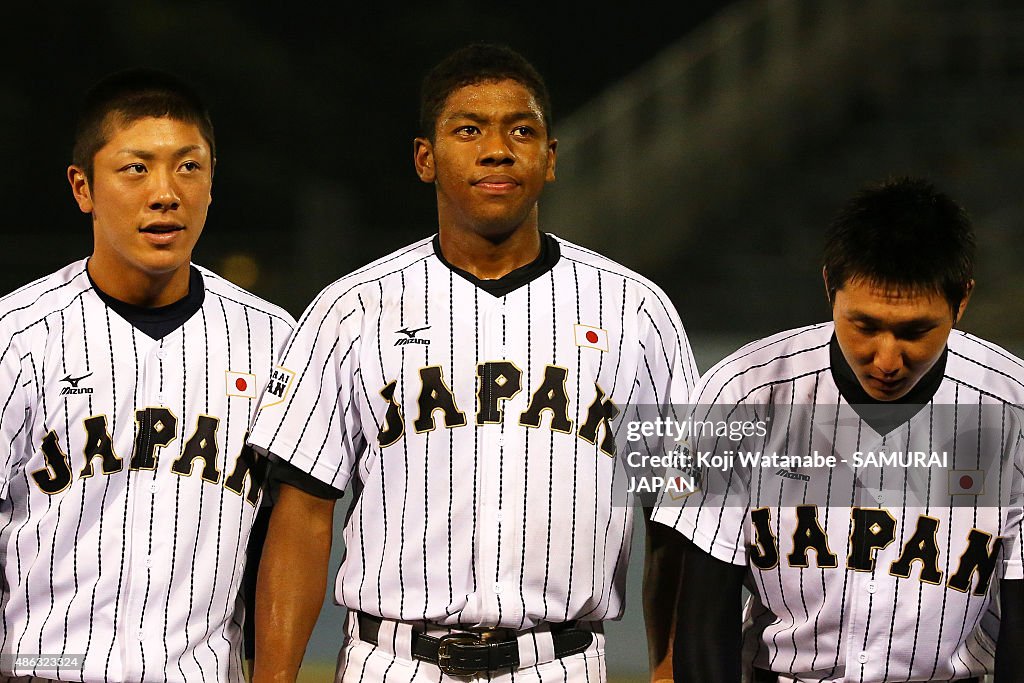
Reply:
x=479, y=640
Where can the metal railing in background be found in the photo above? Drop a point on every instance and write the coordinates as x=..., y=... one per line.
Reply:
x=690, y=126
x=735, y=145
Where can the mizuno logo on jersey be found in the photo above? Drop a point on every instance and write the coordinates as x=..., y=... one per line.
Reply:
x=410, y=336
x=787, y=474
x=74, y=388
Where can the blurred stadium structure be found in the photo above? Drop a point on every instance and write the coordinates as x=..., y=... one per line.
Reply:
x=714, y=168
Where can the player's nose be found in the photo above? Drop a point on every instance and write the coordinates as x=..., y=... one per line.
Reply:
x=164, y=193
x=888, y=356
x=495, y=150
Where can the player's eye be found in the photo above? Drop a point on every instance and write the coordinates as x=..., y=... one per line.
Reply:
x=915, y=333
x=135, y=168
x=522, y=132
x=190, y=166
x=466, y=131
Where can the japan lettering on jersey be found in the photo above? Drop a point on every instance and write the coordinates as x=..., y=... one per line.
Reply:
x=865, y=572
x=127, y=491
x=477, y=432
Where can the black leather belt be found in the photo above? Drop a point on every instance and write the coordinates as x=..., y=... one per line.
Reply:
x=469, y=653
x=762, y=676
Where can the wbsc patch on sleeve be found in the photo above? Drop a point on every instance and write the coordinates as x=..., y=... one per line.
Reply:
x=278, y=387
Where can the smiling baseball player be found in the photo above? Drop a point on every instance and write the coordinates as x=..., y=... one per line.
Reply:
x=127, y=491
x=862, y=572
x=467, y=387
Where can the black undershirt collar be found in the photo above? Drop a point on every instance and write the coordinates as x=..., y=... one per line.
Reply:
x=884, y=416
x=161, y=321
x=545, y=261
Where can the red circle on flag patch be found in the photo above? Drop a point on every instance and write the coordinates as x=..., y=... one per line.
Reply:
x=966, y=481
x=591, y=336
x=240, y=384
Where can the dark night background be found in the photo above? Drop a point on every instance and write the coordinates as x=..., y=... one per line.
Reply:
x=314, y=108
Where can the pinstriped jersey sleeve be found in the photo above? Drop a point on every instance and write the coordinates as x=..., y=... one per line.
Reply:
x=14, y=410
x=713, y=516
x=308, y=414
x=668, y=372
x=1013, y=530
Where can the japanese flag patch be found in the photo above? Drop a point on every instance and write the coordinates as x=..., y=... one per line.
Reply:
x=966, y=482
x=592, y=337
x=240, y=384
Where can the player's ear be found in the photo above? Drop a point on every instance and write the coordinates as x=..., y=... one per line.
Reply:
x=963, y=302
x=423, y=159
x=213, y=167
x=80, y=188
x=552, y=157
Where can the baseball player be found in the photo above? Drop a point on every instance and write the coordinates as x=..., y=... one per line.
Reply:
x=467, y=388
x=889, y=562
x=129, y=379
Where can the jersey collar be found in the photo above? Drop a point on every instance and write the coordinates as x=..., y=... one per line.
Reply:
x=160, y=321
x=550, y=252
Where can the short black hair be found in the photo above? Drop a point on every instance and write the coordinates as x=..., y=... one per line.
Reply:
x=478, y=63
x=904, y=235
x=126, y=96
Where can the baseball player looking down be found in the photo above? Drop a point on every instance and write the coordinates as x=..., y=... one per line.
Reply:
x=864, y=573
x=127, y=383
x=467, y=387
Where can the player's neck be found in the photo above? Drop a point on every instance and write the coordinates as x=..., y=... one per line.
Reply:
x=486, y=257
x=137, y=288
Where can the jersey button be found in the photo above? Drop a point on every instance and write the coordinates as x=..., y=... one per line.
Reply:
x=501, y=440
x=161, y=354
x=497, y=587
x=140, y=635
x=862, y=657
x=872, y=587
x=152, y=487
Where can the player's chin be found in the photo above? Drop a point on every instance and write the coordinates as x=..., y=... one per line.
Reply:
x=161, y=261
x=496, y=223
x=887, y=392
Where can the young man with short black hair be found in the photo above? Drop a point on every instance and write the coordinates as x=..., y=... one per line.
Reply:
x=881, y=533
x=127, y=491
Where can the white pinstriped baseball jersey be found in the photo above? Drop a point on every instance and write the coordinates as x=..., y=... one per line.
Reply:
x=126, y=488
x=474, y=430
x=870, y=589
